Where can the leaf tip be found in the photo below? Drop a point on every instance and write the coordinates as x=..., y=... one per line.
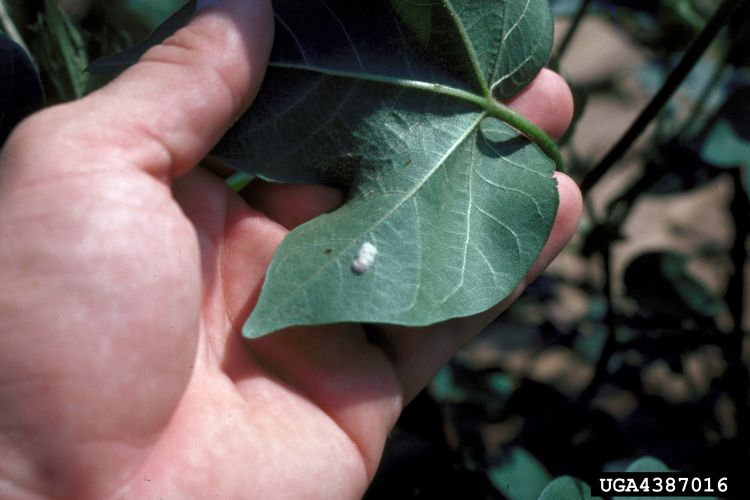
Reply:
x=251, y=330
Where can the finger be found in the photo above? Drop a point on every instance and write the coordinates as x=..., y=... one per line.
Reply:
x=547, y=102
x=166, y=112
x=566, y=223
x=237, y=244
x=418, y=353
x=292, y=204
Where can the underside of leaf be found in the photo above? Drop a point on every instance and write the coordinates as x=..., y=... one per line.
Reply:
x=398, y=104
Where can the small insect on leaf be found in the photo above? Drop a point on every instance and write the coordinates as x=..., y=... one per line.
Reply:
x=364, y=258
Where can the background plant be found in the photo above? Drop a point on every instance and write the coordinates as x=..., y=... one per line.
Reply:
x=615, y=353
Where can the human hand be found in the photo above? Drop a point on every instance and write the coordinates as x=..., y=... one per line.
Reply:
x=125, y=275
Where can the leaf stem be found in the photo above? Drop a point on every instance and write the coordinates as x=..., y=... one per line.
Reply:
x=528, y=129
x=488, y=104
x=238, y=181
x=675, y=79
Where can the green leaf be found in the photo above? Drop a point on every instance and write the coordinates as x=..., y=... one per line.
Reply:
x=445, y=389
x=448, y=204
x=153, y=12
x=501, y=383
x=118, y=62
x=567, y=488
x=61, y=52
x=648, y=464
x=456, y=202
x=519, y=476
x=726, y=143
x=725, y=148
x=651, y=464
x=686, y=13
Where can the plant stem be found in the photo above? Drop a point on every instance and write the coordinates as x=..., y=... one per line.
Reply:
x=675, y=79
x=238, y=181
x=10, y=27
x=572, y=30
x=610, y=344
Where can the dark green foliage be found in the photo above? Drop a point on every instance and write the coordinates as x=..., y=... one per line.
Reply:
x=568, y=488
x=62, y=46
x=60, y=49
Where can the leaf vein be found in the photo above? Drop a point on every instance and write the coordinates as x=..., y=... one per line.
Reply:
x=518, y=21
x=517, y=191
x=297, y=42
x=467, y=232
x=492, y=269
x=346, y=33
x=471, y=52
x=516, y=238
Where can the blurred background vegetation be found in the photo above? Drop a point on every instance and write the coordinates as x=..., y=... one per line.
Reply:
x=634, y=343
x=63, y=36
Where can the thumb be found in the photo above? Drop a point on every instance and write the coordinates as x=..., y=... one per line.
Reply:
x=165, y=113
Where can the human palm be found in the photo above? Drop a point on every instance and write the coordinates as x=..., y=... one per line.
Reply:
x=126, y=272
